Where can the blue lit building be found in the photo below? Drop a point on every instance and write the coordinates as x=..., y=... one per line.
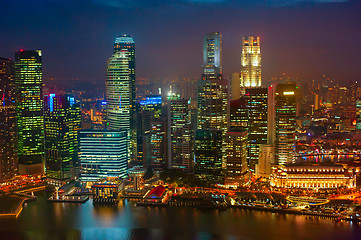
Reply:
x=103, y=154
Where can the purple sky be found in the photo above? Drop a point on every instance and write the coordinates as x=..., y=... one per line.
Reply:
x=300, y=38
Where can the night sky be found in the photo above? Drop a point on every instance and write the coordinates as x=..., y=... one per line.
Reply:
x=300, y=38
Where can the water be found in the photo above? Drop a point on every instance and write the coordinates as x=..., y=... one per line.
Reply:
x=42, y=220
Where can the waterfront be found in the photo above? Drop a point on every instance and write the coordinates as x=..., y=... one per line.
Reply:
x=44, y=220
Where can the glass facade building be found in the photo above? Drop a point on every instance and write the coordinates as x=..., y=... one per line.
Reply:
x=181, y=135
x=102, y=154
x=208, y=155
x=282, y=121
x=121, y=90
x=8, y=151
x=62, y=118
x=29, y=111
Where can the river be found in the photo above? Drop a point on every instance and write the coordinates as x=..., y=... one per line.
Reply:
x=42, y=220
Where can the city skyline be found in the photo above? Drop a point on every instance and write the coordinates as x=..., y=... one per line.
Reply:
x=296, y=42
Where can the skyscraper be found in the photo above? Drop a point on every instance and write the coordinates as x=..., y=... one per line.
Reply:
x=282, y=120
x=29, y=111
x=120, y=90
x=208, y=155
x=103, y=154
x=257, y=100
x=62, y=118
x=181, y=135
x=212, y=52
x=8, y=151
x=251, y=62
x=212, y=89
x=236, y=155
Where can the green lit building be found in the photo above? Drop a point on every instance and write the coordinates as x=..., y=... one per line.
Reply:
x=257, y=100
x=29, y=111
x=208, y=155
x=121, y=90
x=62, y=118
x=8, y=151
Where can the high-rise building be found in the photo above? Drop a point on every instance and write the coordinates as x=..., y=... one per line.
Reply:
x=212, y=89
x=238, y=116
x=257, y=101
x=29, y=111
x=208, y=155
x=120, y=90
x=251, y=62
x=236, y=155
x=266, y=159
x=212, y=52
x=282, y=121
x=358, y=114
x=181, y=135
x=62, y=117
x=103, y=154
x=8, y=151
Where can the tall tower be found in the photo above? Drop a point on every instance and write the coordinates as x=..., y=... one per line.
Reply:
x=212, y=52
x=282, y=121
x=8, y=152
x=29, y=111
x=180, y=134
x=62, y=118
x=212, y=89
x=120, y=90
x=251, y=62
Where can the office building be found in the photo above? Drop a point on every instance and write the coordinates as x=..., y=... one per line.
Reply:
x=29, y=111
x=181, y=135
x=120, y=90
x=251, y=62
x=208, y=155
x=236, y=156
x=62, y=117
x=266, y=159
x=8, y=144
x=103, y=154
x=282, y=121
x=257, y=101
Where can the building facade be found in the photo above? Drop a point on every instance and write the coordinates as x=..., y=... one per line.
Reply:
x=62, y=118
x=236, y=155
x=282, y=121
x=103, y=154
x=8, y=143
x=29, y=111
x=251, y=72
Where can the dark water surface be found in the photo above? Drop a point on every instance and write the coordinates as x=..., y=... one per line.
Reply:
x=42, y=220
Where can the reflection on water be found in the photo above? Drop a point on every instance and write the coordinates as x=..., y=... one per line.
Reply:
x=42, y=220
x=327, y=158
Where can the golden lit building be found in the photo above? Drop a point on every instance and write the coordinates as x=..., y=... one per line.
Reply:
x=312, y=176
x=251, y=62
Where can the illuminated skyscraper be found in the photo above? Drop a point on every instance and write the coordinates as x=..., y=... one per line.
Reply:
x=29, y=111
x=62, y=118
x=236, y=155
x=257, y=100
x=358, y=114
x=251, y=62
x=282, y=120
x=212, y=52
x=103, y=154
x=8, y=151
x=120, y=90
x=212, y=89
x=180, y=134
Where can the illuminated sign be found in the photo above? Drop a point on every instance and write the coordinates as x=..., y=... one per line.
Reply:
x=288, y=93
